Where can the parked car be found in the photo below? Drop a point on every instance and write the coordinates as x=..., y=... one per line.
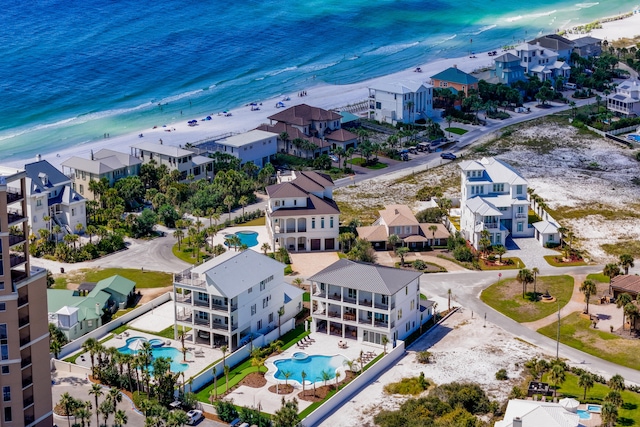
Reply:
x=334, y=158
x=194, y=416
x=235, y=423
x=448, y=156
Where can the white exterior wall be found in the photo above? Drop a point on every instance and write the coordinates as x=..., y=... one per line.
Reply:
x=182, y=164
x=255, y=152
x=395, y=106
x=407, y=305
x=391, y=107
x=69, y=214
x=280, y=230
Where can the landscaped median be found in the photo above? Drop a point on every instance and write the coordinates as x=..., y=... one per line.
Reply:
x=577, y=332
x=505, y=296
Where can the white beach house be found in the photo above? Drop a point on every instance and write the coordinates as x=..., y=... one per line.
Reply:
x=541, y=62
x=494, y=198
x=257, y=146
x=229, y=298
x=51, y=199
x=403, y=102
x=626, y=99
x=366, y=302
x=533, y=413
x=186, y=162
x=301, y=214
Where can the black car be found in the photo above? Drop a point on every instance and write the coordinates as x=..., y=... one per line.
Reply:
x=448, y=156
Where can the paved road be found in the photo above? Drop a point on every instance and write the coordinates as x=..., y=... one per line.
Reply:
x=466, y=288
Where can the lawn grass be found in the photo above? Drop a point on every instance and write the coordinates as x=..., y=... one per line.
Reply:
x=551, y=260
x=60, y=283
x=143, y=278
x=506, y=297
x=457, y=131
x=257, y=221
x=598, y=277
x=578, y=333
x=627, y=415
x=359, y=161
x=184, y=254
x=466, y=265
x=516, y=265
x=306, y=297
x=121, y=313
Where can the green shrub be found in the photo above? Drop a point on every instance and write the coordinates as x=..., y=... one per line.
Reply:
x=502, y=375
x=423, y=357
x=419, y=264
x=226, y=410
x=412, y=386
x=463, y=254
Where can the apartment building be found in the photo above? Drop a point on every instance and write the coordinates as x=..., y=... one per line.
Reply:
x=25, y=376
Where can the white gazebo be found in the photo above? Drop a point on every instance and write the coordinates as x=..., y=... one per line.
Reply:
x=569, y=404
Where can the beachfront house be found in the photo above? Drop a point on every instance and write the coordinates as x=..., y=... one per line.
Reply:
x=400, y=102
x=541, y=62
x=455, y=79
x=232, y=297
x=399, y=220
x=308, y=132
x=534, y=413
x=192, y=167
x=587, y=46
x=301, y=214
x=51, y=199
x=108, y=164
x=507, y=69
x=560, y=45
x=494, y=198
x=257, y=146
x=626, y=99
x=366, y=302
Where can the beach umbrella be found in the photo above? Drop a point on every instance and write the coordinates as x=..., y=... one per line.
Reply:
x=569, y=404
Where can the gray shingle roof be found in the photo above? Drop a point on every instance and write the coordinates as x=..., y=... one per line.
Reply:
x=365, y=277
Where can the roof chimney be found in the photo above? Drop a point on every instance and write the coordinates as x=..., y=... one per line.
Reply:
x=92, y=155
x=38, y=157
x=517, y=422
x=98, y=313
x=455, y=65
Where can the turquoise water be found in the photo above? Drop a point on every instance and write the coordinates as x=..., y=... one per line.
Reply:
x=634, y=137
x=311, y=365
x=249, y=238
x=584, y=414
x=170, y=352
x=73, y=71
x=594, y=408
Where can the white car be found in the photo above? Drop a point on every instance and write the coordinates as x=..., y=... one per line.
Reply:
x=334, y=158
x=194, y=416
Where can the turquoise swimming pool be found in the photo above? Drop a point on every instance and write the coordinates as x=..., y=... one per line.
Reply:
x=584, y=414
x=134, y=344
x=313, y=366
x=249, y=238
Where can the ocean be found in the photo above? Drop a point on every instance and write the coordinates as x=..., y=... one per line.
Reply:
x=73, y=70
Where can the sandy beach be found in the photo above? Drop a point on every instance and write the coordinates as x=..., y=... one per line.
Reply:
x=178, y=132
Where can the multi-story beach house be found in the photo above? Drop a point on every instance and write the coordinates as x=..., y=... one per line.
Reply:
x=401, y=102
x=366, y=302
x=541, y=62
x=257, y=146
x=306, y=131
x=507, y=69
x=587, y=46
x=234, y=296
x=301, y=214
x=108, y=164
x=626, y=99
x=494, y=198
x=51, y=199
x=560, y=45
x=399, y=220
x=455, y=79
x=192, y=167
x=25, y=376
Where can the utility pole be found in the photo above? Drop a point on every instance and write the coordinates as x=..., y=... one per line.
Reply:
x=558, y=335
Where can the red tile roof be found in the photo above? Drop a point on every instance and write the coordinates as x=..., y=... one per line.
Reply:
x=304, y=114
x=341, y=135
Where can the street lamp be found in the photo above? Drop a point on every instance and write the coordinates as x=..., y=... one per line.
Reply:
x=558, y=335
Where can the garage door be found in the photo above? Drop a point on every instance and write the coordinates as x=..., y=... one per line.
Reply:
x=329, y=244
x=315, y=244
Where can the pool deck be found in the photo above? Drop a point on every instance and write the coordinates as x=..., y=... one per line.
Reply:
x=324, y=345
x=594, y=421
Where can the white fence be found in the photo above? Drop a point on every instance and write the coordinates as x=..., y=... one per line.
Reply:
x=623, y=130
x=238, y=356
x=351, y=389
x=103, y=330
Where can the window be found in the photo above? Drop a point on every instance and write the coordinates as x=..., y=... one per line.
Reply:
x=4, y=342
x=406, y=290
x=73, y=212
x=3, y=306
x=551, y=237
x=352, y=293
x=322, y=222
x=89, y=323
x=378, y=106
x=1, y=283
x=5, y=370
x=259, y=325
x=270, y=317
x=253, y=309
x=520, y=227
x=330, y=222
x=250, y=290
x=399, y=314
x=81, y=189
x=498, y=188
x=262, y=285
x=39, y=202
x=7, y=415
x=295, y=202
x=265, y=302
x=518, y=189
x=413, y=304
x=313, y=223
x=6, y=393
x=277, y=202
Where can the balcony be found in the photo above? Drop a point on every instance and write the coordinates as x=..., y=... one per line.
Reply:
x=15, y=215
x=13, y=195
x=25, y=340
x=18, y=276
x=336, y=296
x=199, y=321
x=189, y=279
x=365, y=302
x=225, y=308
x=380, y=324
x=27, y=402
x=23, y=321
x=26, y=361
x=381, y=306
x=349, y=317
x=16, y=260
x=320, y=294
x=185, y=317
x=349, y=300
x=491, y=225
x=26, y=382
x=333, y=314
x=22, y=301
x=364, y=321
x=29, y=419
x=15, y=239
x=201, y=303
x=183, y=299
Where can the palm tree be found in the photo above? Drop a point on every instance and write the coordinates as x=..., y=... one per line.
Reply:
x=178, y=234
x=626, y=261
x=402, y=252
x=614, y=397
x=68, y=403
x=586, y=382
x=500, y=250
x=226, y=376
x=215, y=384
x=616, y=383
x=524, y=277
x=570, y=235
x=105, y=409
x=563, y=231
x=243, y=201
x=393, y=240
x=96, y=391
x=280, y=314
x=433, y=228
x=286, y=375
x=228, y=202
x=83, y=412
x=556, y=376
x=609, y=414
x=384, y=340
x=120, y=418
x=303, y=374
x=631, y=311
x=325, y=377
x=588, y=288
x=256, y=359
x=622, y=301
x=611, y=270
x=265, y=248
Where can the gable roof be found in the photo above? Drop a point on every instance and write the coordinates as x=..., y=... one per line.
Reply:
x=373, y=233
x=536, y=413
x=497, y=170
x=116, y=284
x=232, y=273
x=37, y=170
x=304, y=114
x=586, y=41
x=340, y=135
x=293, y=133
x=366, y=277
x=314, y=205
x=507, y=57
x=441, y=232
x=124, y=159
x=245, y=138
x=626, y=282
x=398, y=215
x=553, y=42
x=545, y=227
x=481, y=207
x=455, y=75
x=104, y=161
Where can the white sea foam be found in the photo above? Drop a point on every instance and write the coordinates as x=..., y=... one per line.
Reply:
x=317, y=67
x=483, y=29
x=586, y=5
x=446, y=39
x=284, y=70
x=393, y=48
x=514, y=19
x=182, y=95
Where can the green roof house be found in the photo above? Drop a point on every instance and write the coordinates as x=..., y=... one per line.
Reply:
x=120, y=289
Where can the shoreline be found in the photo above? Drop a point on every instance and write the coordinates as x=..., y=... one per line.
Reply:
x=327, y=96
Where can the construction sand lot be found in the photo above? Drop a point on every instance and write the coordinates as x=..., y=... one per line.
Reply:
x=590, y=185
x=463, y=350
